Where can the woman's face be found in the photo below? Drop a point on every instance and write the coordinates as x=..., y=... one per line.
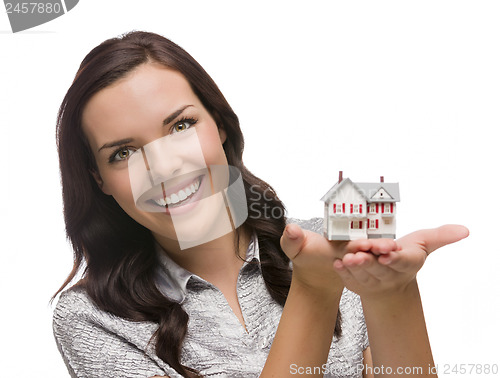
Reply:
x=150, y=103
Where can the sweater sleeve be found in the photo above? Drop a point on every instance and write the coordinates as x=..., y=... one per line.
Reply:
x=313, y=224
x=94, y=343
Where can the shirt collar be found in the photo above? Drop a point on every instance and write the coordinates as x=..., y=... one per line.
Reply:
x=172, y=279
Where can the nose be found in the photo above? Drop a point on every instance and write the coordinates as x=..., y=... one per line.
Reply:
x=163, y=161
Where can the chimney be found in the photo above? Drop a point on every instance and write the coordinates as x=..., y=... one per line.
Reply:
x=340, y=177
x=381, y=178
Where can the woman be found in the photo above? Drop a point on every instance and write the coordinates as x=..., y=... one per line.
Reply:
x=229, y=304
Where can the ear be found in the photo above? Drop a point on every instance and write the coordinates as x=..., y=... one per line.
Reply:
x=222, y=135
x=98, y=179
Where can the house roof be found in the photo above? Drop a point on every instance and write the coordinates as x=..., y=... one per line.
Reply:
x=367, y=190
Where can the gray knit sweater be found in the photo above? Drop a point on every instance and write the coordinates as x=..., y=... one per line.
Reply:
x=94, y=343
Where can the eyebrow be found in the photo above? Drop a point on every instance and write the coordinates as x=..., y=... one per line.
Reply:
x=115, y=144
x=175, y=114
x=166, y=121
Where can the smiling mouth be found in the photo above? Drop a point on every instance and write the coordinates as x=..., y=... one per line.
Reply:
x=180, y=197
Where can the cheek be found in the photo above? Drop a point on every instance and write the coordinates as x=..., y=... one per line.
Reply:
x=117, y=184
x=212, y=147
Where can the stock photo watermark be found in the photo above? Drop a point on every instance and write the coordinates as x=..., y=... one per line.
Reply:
x=444, y=369
x=25, y=15
x=262, y=204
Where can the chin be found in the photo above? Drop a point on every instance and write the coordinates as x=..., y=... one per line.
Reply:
x=209, y=222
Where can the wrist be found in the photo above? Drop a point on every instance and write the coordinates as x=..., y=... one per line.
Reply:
x=329, y=290
x=400, y=296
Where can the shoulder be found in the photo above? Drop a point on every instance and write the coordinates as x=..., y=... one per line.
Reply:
x=94, y=342
x=74, y=301
x=76, y=307
x=76, y=313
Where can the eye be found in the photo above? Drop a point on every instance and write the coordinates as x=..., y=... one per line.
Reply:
x=121, y=154
x=183, y=125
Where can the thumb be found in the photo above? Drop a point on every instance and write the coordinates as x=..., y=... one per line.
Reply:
x=439, y=237
x=444, y=235
x=292, y=239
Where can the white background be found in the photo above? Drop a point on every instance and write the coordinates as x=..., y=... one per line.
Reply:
x=407, y=90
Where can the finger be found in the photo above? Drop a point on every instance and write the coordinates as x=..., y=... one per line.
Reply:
x=357, y=264
x=438, y=237
x=381, y=272
x=384, y=246
x=344, y=273
x=375, y=246
x=389, y=259
x=354, y=246
x=292, y=240
x=403, y=263
x=358, y=259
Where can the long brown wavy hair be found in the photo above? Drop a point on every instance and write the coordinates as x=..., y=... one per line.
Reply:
x=116, y=253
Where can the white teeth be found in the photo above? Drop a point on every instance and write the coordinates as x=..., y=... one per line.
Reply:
x=181, y=195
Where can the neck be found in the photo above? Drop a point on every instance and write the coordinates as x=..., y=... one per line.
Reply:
x=217, y=261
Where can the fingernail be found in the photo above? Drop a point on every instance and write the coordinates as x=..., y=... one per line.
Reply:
x=290, y=234
x=386, y=261
x=337, y=264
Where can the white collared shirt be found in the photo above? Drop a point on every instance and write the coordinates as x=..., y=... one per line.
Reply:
x=95, y=343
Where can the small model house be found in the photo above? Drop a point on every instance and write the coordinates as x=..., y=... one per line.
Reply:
x=360, y=210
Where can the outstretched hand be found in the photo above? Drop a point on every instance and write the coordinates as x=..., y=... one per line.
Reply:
x=381, y=266
x=313, y=256
x=369, y=267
